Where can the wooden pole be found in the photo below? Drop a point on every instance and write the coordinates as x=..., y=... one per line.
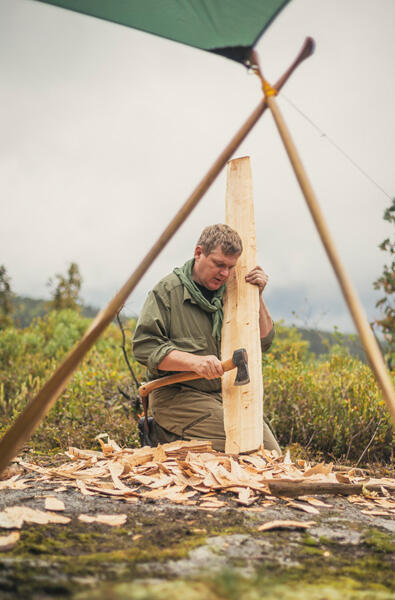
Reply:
x=243, y=406
x=24, y=426
x=355, y=307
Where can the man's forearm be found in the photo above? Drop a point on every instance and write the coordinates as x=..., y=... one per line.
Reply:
x=208, y=366
x=178, y=361
x=265, y=320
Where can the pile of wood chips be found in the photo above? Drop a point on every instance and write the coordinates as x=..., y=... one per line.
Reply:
x=192, y=473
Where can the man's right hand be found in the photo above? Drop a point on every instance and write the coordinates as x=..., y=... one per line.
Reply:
x=208, y=366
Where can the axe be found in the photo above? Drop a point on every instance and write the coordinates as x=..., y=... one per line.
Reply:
x=238, y=361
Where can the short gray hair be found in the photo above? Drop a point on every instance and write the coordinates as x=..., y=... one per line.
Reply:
x=220, y=235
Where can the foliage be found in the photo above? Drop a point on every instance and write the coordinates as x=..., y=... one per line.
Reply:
x=386, y=283
x=6, y=307
x=331, y=406
x=66, y=293
x=92, y=402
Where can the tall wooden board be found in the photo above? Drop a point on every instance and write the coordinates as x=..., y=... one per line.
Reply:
x=243, y=409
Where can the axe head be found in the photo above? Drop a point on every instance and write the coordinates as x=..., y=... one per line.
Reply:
x=240, y=360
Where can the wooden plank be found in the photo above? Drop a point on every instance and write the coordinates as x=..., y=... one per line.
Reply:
x=243, y=406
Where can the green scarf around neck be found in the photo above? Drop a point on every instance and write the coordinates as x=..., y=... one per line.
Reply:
x=215, y=306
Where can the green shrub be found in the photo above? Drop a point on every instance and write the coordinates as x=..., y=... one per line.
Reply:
x=331, y=406
x=91, y=403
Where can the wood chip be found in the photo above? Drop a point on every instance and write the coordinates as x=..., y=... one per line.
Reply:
x=287, y=458
x=159, y=455
x=17, y=515
x=116, y=469
x=181, y=469
x=52, y=503
x=7, y=542
x=321, y=469
x=286, y=525
x=106, y=491
x=376, y=513
x=212, y=504
x=75, y=453
x=113, y=520
x=246, y=497
x=13, y=483
x=8, y=521
x=385, y=502
x=315, y=501
x=342, y=478
x=305, y=507
x=83, y=489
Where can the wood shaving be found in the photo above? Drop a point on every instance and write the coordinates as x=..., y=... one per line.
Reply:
x=376, y=513
x=286, y=525
x=7, y=542
x=305, y=507
x=13, y=483
x=13, y=517
x=52, y=503
x=212, y=504
x=112, y=520
x=314, y=501
x=321, y=469
x=9, y=521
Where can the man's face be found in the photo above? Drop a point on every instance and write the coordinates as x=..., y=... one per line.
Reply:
x=213, y=270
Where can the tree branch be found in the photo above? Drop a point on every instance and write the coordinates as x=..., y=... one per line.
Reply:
x=125, y=354
x=370, y=443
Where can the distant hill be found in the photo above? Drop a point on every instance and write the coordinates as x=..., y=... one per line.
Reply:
x=321, y=341
x=26, y=309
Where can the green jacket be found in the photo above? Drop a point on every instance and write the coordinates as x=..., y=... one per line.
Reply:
x=171, y=320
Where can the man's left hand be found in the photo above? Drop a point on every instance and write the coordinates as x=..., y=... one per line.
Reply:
x=257, y=276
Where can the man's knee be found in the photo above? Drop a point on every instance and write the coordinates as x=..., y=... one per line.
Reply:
x=159, y=435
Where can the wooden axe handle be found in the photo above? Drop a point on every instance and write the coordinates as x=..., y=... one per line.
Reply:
x=147, y=388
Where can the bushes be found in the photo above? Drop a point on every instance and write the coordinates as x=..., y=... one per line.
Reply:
x=92, y=402
x=330, y=406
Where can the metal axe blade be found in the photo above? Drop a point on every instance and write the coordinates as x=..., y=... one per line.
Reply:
x=240, y=360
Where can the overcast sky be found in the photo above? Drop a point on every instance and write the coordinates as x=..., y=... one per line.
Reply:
x=106, y=130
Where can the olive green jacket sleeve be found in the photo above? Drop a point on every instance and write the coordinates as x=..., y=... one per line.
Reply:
x=267, y=341
x=151, y=343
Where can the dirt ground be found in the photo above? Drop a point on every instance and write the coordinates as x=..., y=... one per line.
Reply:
x=166, y=550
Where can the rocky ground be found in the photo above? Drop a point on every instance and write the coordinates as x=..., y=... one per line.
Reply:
x=169, y=551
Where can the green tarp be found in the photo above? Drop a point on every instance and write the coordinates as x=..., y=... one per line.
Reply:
x=227, y=27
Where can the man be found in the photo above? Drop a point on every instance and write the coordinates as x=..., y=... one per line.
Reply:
x=179, y=329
